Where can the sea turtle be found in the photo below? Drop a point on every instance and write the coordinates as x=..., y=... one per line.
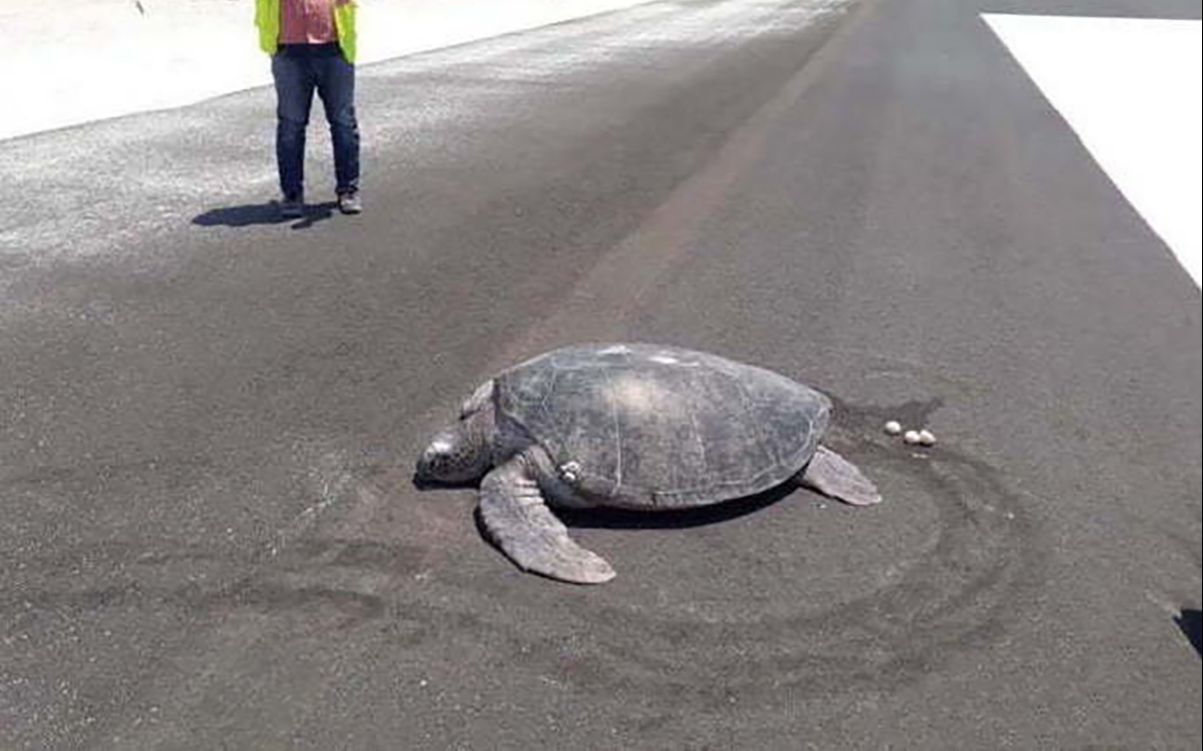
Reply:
x=633, y=426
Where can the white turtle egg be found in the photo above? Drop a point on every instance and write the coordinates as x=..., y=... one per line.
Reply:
x=893, y=427
x=911, y=437
x=927, y=438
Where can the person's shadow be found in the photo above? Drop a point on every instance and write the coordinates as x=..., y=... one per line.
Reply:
x=1191, y=623
x=264, y=213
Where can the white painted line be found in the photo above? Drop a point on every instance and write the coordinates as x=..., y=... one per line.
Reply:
x=1130, y=88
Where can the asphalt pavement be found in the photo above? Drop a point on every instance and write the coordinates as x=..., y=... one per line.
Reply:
x=208, y=417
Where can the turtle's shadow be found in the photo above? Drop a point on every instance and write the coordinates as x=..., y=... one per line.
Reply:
x=700, y=516
x=615, y=518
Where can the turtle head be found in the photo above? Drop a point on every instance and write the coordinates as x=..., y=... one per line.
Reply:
x=457, y=454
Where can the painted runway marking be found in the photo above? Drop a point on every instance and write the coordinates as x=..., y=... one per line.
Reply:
x=1130, y=89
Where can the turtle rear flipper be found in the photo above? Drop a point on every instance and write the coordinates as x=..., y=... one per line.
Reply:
x=517, y=519
x=834, y=476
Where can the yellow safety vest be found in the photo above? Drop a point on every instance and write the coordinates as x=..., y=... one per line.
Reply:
x=267, y=18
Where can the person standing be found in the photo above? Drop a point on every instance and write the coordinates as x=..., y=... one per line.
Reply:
x=312, y=46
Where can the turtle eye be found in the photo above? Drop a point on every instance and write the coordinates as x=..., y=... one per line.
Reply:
x=433, y=463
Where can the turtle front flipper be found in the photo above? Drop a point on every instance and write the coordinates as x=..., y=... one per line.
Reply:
x=517, y=519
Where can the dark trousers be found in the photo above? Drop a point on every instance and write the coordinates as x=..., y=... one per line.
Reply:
x=298, y=70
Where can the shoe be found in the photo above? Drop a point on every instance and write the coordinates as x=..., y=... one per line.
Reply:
x=349, y=203
x=292, y=208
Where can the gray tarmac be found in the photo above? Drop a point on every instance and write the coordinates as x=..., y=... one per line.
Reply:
x=208, y=417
